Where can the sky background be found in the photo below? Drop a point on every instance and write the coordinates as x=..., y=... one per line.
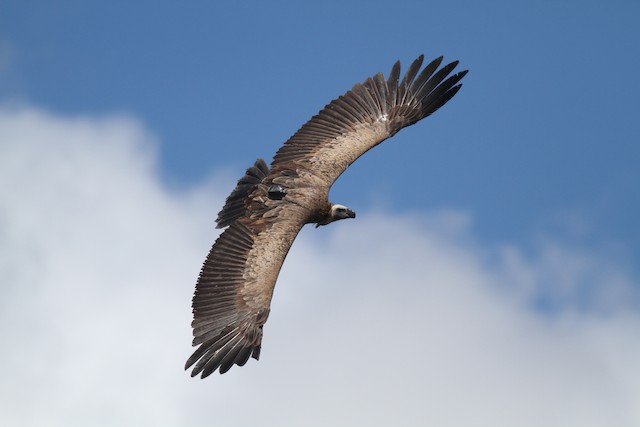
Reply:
x=490, y=279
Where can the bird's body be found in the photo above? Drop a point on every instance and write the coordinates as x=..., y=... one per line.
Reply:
x=269, y=206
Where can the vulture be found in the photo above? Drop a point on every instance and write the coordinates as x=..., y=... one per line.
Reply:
x=270, y=204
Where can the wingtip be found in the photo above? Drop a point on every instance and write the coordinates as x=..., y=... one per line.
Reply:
x=419, y=60
x=188, y=365
x=194, y=372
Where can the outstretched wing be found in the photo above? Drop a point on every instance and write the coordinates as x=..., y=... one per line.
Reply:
x=365, y=116
x=233, y=293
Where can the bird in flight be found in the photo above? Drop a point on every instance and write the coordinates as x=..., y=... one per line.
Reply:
x=270, y=204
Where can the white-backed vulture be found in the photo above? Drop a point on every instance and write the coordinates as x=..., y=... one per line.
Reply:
x=270, y=205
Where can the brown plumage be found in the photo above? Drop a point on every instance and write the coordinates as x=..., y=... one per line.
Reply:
x=269, y=206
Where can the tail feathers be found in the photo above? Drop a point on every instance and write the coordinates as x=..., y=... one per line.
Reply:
x=235, y=206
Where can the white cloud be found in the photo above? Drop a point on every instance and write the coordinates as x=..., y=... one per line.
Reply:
x=384, y=320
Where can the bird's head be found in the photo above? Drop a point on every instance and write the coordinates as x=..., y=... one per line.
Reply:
x=337, y=212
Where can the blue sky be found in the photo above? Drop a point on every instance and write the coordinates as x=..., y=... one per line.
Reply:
x=123, y=125
x=543, y=136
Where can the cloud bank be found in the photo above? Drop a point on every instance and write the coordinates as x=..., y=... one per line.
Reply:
x=386, y=320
